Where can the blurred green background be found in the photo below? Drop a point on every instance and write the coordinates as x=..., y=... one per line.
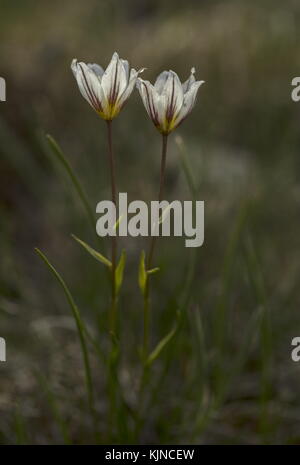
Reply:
x=227, y=376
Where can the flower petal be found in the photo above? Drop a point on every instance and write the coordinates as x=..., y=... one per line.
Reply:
x=168, y=102
x=114, y=79
x=128, y=91
x=173, y=94
x=188, y=102
x=145, y=90
x=161, y=81
x=187, y=84
x=127, y=68
x=161, y=110
x=89, y=86
x=150, y=99
x=98, y=70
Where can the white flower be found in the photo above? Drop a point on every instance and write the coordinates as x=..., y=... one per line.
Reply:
x=106, y=91
x=169, y=102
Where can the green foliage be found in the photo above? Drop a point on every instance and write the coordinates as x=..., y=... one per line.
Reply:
x=160, y=346
x=80, y=328
x=97, y=255
x=120, y=271
x=142, y=273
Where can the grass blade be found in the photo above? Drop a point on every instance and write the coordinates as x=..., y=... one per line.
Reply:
x=54, y=408
x=120, y=271
x=80, y=328
x=220, y=321
x=153, y=271
x=97, y=255
x=258, y=284
x=160, y=346
x=20, y=427
x=57, y=151
x=142, y=273
x=187, y=169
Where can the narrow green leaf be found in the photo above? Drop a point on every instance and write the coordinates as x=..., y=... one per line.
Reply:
x=97, y=255
x=160, y=346
x=118, y=222
x=153, y=270
x=142, y=273
x=59, y=154
x=20, y=426
x=120, y=271
x=165, y=213
x=54, y=407
x=80, y=328
x=162, y=217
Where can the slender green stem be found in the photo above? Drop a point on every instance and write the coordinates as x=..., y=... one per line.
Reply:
x=113, y=308
x=53, y=404
x=160, y=193
x=146, y=323
x=20, y=427
x=114, y=353
x=146, y=331
x=140, y=402
x=146, y=305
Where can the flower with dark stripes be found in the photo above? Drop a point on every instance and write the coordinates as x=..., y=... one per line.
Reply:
x=106, y=91
x=168, y=102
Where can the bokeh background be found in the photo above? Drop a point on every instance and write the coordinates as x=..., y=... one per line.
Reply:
x=227, y=376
